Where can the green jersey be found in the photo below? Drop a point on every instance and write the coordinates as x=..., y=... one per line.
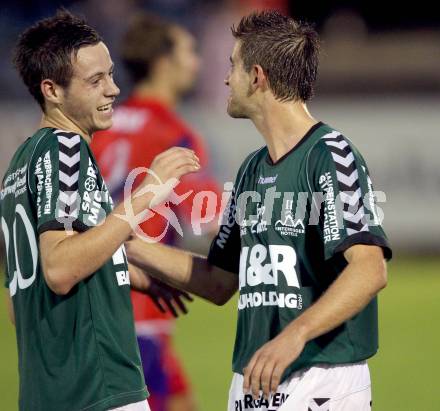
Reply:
x=76, y=351
x=284, y=234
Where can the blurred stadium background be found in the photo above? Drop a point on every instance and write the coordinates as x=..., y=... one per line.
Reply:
x=379, y=84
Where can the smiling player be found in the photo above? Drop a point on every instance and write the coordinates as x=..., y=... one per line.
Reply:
x=67, y=273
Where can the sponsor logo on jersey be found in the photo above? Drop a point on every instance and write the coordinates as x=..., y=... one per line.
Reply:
x=243, y=227
x=267, y=180
x=260, y=224
x=90, y=184
x=331, y=223
x=256, y=226
x=48, y=183
x=228, y=221
x=39, y=174
x=288, y=225
x=15, y=183
x=261, y=265
x=123, y=278
x=119, y=259
x=270, y=404
x=92, y=199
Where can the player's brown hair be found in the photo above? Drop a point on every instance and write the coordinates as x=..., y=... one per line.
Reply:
x=286, y=49
x=46, y=49
x=148, y=38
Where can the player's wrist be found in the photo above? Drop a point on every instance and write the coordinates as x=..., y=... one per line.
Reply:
x=299, y=330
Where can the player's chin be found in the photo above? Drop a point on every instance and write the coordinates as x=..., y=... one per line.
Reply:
x=103, y=124
x=234, y=111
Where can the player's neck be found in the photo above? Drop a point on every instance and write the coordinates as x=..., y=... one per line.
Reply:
x=283, y=125
x=158, y=91
x=57, y=119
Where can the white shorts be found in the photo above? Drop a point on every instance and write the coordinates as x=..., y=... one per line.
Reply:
x=345, y=387
x=134, y=406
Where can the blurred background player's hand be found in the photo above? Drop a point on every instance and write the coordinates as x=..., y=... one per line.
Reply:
x=168, y=298
x=165, y=298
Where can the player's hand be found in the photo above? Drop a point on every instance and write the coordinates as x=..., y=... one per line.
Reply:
x=268, y=364
x=166, y=170
x=168, y=298
x=174, y=163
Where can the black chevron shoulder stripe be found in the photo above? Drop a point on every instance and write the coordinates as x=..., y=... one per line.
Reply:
x=348, y=182
x=69, y=168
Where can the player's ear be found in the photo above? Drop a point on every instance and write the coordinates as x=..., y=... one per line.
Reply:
x=259, y=79
x=163, y=65
x=51, y=91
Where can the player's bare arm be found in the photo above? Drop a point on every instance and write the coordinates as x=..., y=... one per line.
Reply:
x=68, y=260
x=364, y=276
x=183, y=270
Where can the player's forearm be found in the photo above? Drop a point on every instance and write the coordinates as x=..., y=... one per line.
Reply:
x=166, y=263
x=183, y=270
x=355, y=287
x=72, y=259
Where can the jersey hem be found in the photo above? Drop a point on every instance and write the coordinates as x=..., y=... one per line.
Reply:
x=118, y=400
x=310, y=364
x=223, y=266
x=56, y=225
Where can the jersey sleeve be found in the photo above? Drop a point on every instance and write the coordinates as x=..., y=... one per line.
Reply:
x=226, y=246
x=343, y=197
x=62, y=164
x=2, y=242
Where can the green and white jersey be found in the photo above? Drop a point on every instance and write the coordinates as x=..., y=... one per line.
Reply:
x=284, y=234
x=78, y=351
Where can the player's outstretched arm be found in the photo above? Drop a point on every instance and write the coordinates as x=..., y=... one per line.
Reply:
x=364, y=276
x=69, y=259
x=183, y=270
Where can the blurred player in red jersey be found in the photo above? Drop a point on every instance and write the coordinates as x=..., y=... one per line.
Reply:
x=163, y=63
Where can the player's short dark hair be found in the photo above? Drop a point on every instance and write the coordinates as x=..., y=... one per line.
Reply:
x=286, y=49
x=148, y=38
x=45, y=50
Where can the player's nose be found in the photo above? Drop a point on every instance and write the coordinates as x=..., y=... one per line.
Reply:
x=112, y=89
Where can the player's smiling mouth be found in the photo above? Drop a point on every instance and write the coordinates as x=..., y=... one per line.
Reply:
x=105, y=108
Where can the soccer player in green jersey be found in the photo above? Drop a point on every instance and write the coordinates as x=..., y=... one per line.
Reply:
x=67, y=270
x=301, y=239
